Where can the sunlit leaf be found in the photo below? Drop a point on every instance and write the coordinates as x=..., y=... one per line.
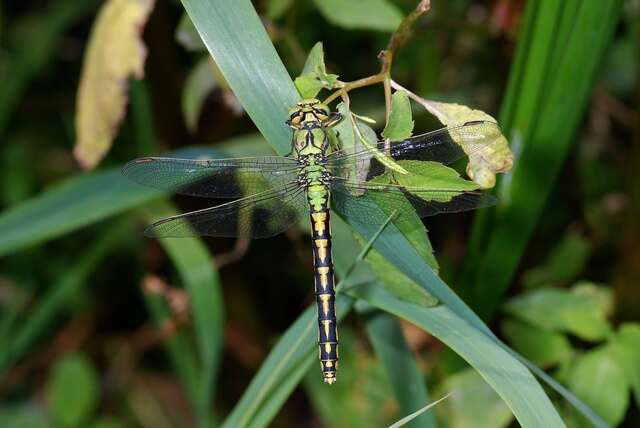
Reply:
x=400, y=124
x=598, y=378
x=380, y=15
x=114, y=54
x=72, y=390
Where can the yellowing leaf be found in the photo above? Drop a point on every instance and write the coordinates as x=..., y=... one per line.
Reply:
x=483, y=164
x=115, y=53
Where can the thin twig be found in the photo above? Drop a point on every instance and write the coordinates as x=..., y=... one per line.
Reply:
x=397, y=40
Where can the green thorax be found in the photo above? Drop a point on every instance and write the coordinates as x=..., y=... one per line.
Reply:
x=310, y=120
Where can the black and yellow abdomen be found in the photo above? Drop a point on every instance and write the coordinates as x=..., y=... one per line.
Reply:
x=325, y=291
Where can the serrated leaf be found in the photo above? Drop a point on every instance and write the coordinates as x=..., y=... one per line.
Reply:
x=199, y=84
x=315, y=60
x=115, y=53
x=561, y=310
x=314, y=76
x=483, y=164
x=542, y=347
x=599, y=380
x=308, y=85
x=400, y=124
x=72, y=390
x=380, y=15
x=277, y=8
x=472, y=403
x=187, y=35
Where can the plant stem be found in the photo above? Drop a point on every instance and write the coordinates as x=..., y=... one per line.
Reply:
x=397, y=40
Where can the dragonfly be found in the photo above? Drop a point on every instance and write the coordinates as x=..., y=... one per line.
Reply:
x=271, y=193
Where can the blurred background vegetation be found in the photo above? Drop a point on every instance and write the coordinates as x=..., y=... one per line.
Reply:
x=98, y=324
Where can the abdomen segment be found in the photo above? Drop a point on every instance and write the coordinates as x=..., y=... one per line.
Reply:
x=325, y=294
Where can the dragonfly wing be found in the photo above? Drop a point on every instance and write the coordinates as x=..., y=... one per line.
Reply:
x=363, y=200
x=445, y=145
x=258, y=216
x=213, y=178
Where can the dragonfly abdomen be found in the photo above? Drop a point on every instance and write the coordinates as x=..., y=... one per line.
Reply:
x=325, y=292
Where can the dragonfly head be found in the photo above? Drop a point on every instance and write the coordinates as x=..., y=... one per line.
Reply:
x=309, y=113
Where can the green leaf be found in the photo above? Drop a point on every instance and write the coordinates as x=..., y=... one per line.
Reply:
x=196, y=268
x=315, y=61
x=76, y=202
x=542, y=347
x=187, y=35
x=115, y=53
x=361, y=395
x=72, y=390
x=22, y=417
x=198, y=86
x=409, y=418
x=599, y=379
x=560, y=310
x=396, y=283
x=108, y=423
x=432, y=175
x=559, y=55
x=399, y=362
x=488, y=358
x=564, y=263
x=364, y=136
x=628, y=341
x=249, y=63
x=379, y=15
x=287, y=362
x=264, y=88
x=472, y=402
x=400, y=124
x=314, y=75
x=277, y=8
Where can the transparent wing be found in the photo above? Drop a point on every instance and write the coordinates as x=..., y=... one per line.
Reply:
x=258, y=216
x=363, y=201
x=445, y=145
x=213, y=178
